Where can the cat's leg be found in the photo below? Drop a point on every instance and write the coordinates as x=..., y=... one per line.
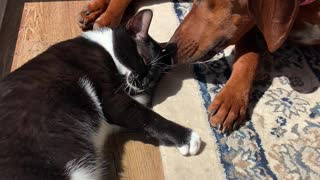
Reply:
x=122, y=110
x=186, y=140
x=144, y=99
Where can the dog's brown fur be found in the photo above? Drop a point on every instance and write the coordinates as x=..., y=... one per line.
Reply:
x=100, y=13
x=221, y=23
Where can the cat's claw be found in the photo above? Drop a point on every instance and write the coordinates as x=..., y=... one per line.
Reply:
x=192, y=147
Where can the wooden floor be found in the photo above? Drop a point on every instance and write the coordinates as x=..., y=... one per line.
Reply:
x=31, y=26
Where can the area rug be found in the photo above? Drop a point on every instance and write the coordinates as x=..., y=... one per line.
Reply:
x=281, y=137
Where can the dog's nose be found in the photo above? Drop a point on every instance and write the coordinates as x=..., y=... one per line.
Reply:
x=171, y=48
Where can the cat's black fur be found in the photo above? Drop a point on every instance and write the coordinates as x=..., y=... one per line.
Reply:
x=48, y=119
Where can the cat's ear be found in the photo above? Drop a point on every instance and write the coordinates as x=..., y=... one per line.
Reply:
x=139, y=24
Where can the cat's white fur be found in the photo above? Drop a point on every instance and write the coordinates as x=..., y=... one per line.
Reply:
x=76, y=168
x=142, y=98
x=192, y=147
x=104, y=38
x=86, y=84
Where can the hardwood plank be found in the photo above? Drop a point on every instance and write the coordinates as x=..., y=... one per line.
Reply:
x=43, y=24
x=31, y=26
x=137, y=157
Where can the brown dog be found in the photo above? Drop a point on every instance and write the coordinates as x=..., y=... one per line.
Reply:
x=221, y=23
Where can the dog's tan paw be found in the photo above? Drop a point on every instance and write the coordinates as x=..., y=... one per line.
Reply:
x=228, y=110
x=108, y=19
x=91, y=13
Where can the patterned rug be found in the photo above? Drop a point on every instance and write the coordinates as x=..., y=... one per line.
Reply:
x=281, y=137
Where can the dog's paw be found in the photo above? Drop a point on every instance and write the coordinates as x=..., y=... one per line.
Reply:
x=108, y=19
x=227, y=111
x=91, y=13
x=193, y=145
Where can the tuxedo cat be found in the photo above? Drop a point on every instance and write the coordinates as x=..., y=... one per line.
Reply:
x=57, y=110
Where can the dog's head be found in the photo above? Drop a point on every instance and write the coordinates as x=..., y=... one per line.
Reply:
x=211, y=25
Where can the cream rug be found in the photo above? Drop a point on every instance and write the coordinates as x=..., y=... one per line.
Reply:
x=280, y=139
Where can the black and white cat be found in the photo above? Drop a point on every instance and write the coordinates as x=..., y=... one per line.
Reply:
x=57, y=110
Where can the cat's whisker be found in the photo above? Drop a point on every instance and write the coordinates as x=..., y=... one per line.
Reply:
x=127, y=87
x=164, y=64
x=154, y=61
x=156, y=65
x=164, y=69
x=134, y=83
x=129, y=92
x=139, y=83
x=116, y=91
x=131, y=82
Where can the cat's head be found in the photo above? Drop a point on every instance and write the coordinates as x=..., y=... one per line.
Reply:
x=142, y=58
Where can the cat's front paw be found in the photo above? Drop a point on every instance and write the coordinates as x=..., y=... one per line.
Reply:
x=192, y=146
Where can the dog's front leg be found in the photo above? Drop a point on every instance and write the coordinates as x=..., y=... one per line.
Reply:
x=91, y=12
x=228, y=110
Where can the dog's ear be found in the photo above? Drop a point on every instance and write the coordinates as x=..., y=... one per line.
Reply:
x=139, y=24
x=274, y=18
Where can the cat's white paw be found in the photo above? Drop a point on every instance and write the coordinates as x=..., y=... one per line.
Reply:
x=193, y=146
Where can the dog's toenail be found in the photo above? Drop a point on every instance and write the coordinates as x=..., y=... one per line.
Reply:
x=213, y=112
x=235, y=125
x=219, y=126
x=87, y=12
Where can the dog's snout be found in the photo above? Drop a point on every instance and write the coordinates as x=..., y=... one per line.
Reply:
x=186, y=49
